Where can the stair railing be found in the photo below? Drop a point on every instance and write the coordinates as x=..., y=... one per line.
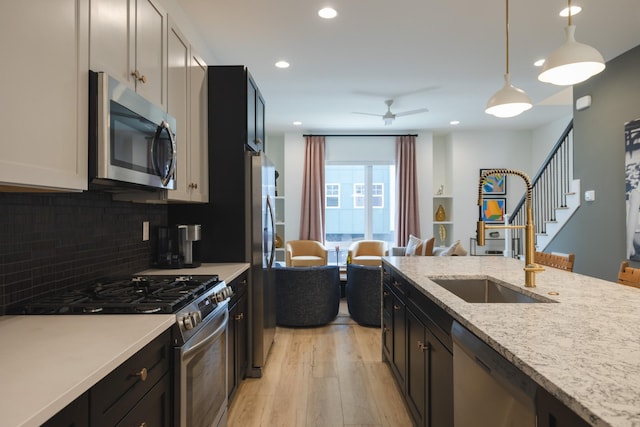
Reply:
x=551, y=185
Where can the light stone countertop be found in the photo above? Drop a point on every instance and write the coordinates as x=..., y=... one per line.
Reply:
x=47, y=361
x=585, y=349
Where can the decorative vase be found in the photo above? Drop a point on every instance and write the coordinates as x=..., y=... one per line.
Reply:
x=278, y=241
x=440, y=214
x=443, y=234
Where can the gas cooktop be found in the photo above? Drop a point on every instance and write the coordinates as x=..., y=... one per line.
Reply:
x=131, y=295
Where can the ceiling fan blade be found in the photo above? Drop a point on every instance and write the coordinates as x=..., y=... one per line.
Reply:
x=367, y=114
x=407, y=113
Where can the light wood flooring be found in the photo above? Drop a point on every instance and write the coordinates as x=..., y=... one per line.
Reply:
x=329, y=376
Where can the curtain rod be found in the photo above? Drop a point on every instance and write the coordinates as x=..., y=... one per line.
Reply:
x=359, y=135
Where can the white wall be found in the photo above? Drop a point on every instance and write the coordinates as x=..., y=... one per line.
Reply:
x=472, y=151
x=543, y=140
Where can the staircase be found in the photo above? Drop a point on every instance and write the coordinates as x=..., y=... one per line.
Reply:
x=556, y=196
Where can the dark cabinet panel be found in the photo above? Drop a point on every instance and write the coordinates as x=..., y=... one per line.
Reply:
x=418, y=369
x=76, y=414
x=116, y=394
x=154, y=409
x=421, y=363
x=237, y=355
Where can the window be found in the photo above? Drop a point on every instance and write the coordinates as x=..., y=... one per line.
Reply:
x=332, y=196
x=356, y=197
x=377, y=195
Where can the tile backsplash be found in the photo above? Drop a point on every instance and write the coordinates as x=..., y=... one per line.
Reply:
x=57, y=241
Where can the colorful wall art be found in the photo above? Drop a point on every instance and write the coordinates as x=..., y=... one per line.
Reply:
x=493, y=210
x=494, y=184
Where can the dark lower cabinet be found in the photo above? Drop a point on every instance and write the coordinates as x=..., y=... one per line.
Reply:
x=550, y=412
x=414, y=330
x=237, y=354
x=137, y=393
x=76, y=414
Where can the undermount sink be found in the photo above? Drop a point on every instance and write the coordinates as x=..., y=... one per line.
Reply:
x=485, y=290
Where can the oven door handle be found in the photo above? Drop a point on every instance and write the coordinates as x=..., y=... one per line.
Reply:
x=215, y=334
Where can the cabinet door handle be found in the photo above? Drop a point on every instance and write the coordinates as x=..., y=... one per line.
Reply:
x=422, y=346
x=143, y=424
x=385, y=294
x=240, y=316
x=139, y=77
x=142, y=374
x=396, y=307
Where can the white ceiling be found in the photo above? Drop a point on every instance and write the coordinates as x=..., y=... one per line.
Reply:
x=448, y=56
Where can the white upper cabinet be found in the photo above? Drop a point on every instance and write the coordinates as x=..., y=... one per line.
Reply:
x=187, y=102
x=199, y=155
x=128, y=42
x=44, y=102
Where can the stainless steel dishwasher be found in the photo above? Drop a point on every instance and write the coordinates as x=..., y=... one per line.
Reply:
x=487, y=389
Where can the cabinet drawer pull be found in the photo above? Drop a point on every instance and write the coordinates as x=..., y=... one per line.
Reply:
x=143, y=424
x=385, y=294
x=240, y=316
x=139, y=77
x=396, y=307
x=142, y=374
x=422, y=346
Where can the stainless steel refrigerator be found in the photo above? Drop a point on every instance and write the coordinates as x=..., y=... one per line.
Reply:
x=237, y=222
x=261, y=232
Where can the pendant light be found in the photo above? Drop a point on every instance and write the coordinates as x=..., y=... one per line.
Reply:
x=508, y=101
x=572, y=62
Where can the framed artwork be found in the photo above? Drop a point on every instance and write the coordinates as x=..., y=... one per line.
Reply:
x=632, y=187
x=493, y=210
x=494, y=184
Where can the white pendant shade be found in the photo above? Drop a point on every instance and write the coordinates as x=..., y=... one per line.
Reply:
x=572, y=62
x=508, y=101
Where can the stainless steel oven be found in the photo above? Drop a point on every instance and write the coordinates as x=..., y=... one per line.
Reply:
x=131, y=140
x=201, y=364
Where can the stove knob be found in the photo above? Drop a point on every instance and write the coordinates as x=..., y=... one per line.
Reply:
x=224, y=294
x=196, y=318
x=187, y=322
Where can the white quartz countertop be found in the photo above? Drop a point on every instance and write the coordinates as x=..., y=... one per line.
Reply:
x=585, y=349
x=47, y=361
x=225, y=271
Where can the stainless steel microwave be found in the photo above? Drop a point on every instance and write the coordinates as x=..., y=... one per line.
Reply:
x=132, y=142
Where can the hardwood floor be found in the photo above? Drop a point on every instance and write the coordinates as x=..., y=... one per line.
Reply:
x=329, y=376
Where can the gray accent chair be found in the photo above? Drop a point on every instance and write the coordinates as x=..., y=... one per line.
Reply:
x=363, y=294
x=307, y=296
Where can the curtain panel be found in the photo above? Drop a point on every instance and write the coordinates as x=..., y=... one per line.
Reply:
x=312, y=215
x=407, y=215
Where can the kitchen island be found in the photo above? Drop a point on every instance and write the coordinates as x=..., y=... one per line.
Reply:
x=584, y=349
x=47, y=361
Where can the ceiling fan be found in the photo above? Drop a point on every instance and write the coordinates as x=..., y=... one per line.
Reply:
x=388, y=117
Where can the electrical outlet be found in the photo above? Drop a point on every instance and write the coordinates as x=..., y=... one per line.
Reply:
x=145, y=231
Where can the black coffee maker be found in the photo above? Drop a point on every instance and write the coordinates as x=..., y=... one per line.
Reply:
x=177, y=246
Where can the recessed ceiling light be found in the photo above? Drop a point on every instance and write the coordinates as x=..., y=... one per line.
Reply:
x=297, y=123
x=282, y=64
x=539, y=63
x=574, y=11
x=454, y=122
x=327, y=13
